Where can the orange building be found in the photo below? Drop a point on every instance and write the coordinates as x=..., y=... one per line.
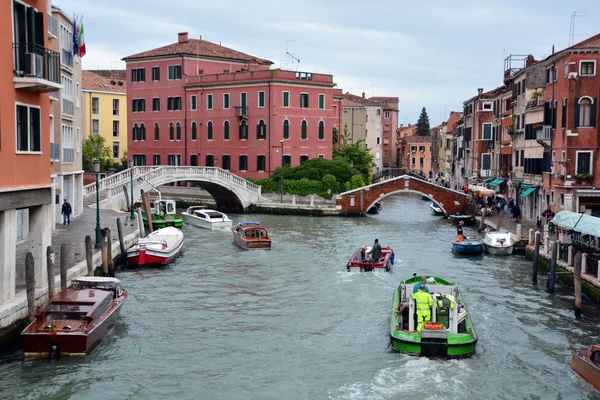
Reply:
x=28, y=72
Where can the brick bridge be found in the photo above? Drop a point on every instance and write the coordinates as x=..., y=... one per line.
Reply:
x=358, y=201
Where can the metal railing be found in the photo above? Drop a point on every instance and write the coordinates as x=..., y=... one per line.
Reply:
x=241, y=111
x=545, y=133
x=33, y=60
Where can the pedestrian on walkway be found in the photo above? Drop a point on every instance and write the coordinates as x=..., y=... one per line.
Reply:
x=517, y=213
x=66, y=213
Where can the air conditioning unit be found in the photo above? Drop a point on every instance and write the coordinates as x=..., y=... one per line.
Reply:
x=573, y=75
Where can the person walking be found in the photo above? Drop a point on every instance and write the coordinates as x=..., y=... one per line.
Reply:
x=423, y=303
x=66, y=213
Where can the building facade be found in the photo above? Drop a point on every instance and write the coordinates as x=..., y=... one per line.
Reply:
x=354, y=119
x=445, y=143
x=198, y=103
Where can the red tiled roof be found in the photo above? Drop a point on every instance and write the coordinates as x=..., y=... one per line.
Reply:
x=351, y=103
x=354, y=98
x=202, y=48
x=102, y=80
x=418, y=139
x=590, y=43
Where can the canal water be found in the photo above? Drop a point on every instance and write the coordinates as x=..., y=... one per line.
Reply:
x=291, y=323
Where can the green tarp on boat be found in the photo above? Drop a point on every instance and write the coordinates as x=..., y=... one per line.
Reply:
x=577, y=222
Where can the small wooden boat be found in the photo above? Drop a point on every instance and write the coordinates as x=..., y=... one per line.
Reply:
x=163, y=214
x=204, y=218
x=435, y=208
x=251, y=235
x=360, y=261
x=450, y=332
x=377, y=207
x=467, y=246
x=76, y=319
x=158, y=248
x=467, y=219
x=498, y=243
x=586, y=364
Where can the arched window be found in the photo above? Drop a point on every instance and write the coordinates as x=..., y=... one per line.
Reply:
x=226, y=130
x=304, y=135
x=244, y=130
x=321, y=130
x=261, y=130
x=134, y=132
x=171, y=131
x=194, y=131
x=156, y=131
x=142, y=132
x=178, y=131
x=587, y=112
x=286, y=129
x=209, y=130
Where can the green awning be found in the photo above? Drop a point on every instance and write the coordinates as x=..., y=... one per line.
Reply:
x=582, y=223
x=496, y=182
x=528, y=192
x=486, y=180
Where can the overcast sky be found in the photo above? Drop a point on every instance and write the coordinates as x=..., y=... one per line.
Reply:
x=428, y=53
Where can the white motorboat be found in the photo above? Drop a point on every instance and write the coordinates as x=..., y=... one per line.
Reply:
x=436, y=209
x=204, y=218
x=158, y=248
x=498, y=243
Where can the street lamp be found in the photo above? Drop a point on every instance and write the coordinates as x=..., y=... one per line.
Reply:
x=96, y=164
x=281, y=181
x=131, y=215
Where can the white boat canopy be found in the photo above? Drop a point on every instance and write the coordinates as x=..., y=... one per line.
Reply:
x=481, y=189
x=577, y=222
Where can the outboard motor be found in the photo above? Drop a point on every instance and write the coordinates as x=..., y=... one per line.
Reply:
x=54, y=354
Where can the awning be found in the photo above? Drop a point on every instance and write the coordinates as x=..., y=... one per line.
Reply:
x=486, y=180
x=480, y=189
x=582, y=223
x=528, y=191
x=496, y=182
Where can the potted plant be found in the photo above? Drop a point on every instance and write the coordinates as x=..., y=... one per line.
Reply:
x=584, y=177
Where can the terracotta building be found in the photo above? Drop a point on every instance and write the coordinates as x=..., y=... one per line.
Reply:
x=415, y=153
x=194, y=102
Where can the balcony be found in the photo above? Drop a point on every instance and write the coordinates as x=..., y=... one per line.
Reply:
x=544, y=136
x=241, y=112
x=36, y=68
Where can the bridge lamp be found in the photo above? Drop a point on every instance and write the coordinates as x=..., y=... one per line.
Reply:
x=281, y=181
x=131, y=215
x=96, y=164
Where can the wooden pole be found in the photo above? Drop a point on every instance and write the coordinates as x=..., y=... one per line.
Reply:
x=552, y=278
x=109, y=257
x=577, y=284
x=536, y=257
x=104, y=252
x=63, y=266
x=121, y=243
x=140, y=223
x=30, y=284
x=50, y=268
x=482, y=221
x=146, y=200
x=127, y=200
x=88, y=256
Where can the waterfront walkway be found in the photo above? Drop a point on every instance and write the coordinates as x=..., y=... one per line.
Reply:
x=508, y=224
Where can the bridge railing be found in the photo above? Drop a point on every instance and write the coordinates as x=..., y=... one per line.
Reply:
x=115, y=180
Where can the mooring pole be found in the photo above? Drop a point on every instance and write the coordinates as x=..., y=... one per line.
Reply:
x=577, y=284
x=536, y=257
x=552, y=279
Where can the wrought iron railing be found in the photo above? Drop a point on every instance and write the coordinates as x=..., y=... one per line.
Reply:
x=241, y=111
x=33, y=60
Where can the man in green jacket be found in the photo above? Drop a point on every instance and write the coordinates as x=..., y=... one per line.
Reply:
x=423, y=303
x=375, y=251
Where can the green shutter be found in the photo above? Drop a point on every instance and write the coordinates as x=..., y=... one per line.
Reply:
x=226, y=130
x=225, y=101
x=321, y=101
x=261, y=99
x=594, y=112
x=576, y=112
x=286, y=99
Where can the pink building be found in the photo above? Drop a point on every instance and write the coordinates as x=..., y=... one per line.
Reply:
x=198, y=103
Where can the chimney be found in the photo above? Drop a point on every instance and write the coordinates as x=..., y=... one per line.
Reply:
x=401, y=126
x=183, y=37
x=480, y=91
x=363, y=95
x=529, y=61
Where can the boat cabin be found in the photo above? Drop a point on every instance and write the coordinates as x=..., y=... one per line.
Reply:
x=97, y=282
x=208, y=214
x=168, y=206
x=252, y=230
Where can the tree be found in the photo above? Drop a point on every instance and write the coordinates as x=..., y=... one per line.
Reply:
x=423, y=124
x=359, y=158
x=94, y=147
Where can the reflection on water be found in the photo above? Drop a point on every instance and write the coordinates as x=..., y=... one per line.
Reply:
x=291, y=323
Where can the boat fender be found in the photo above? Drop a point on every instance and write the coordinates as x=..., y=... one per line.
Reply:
x=433, y=326
x=54, y=353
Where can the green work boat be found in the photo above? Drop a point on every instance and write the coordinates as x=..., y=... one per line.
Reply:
x=450, y=332
x=166, y=215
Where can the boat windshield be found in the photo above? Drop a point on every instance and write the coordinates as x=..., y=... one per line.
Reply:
x=67, y=311
x=94, y=285
x=215, y=214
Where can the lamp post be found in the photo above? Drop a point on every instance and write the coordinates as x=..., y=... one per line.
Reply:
x=281, y=181
x=131, y=215
x=96, y=164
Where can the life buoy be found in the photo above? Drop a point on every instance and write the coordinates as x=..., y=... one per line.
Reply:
x=433, y=326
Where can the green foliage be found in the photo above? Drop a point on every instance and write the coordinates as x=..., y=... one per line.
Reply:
x=423, y=124
x=584, y=176
x=94, y=147
x=359, y=155
x=355, y=183
x=330, y=184
x=315, y=169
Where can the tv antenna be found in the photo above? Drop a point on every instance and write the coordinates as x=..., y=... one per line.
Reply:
x=293, y=58
x=574, y=16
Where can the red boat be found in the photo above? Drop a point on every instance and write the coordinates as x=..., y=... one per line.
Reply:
x=361, y=261
x=586, y=364
x=76, y=319
x=251, y=235
x=158, y=248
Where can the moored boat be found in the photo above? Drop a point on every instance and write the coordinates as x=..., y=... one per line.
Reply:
x=76, y=319
x=163, y=214
x=498, y=243
x=467, y=246
x=450, y=332
x=435, y=208
x=360, y=261
x=158, y=248
x=205, y=218
x=251, y=235
x=586, y=364
x=376, y=208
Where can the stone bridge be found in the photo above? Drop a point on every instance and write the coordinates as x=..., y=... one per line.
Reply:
x=358, y=201
x=229, y=191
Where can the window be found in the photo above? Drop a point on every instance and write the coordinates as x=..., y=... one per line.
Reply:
x=115, y=104
x=261, y=99
x=378, y=139
x=243, y=130
x=585, y=113
x=226, y=101
x=67, y=144
x=243, y=101
x=584, y=162
x=78, y=138
x=156, y=74
x=66, y=36
x=209, y=130
x=142, y=132
x=287, y=159
x=552, y=196
x=173, y=103
x=321, y=130
x=209, y=101
x=95, y=127
x=413, y=148
x=178, y=126
x=487, y=132
x=486, y=161
x=421, y=149
x=95, y=105
x=171, y=131
x=171, y=159
x=138, y=75
x=386, y=153
x=174, y=72
x=588, y=68
x=379, y=112
x=194, y=160
x=209, y=160
x=304, y=134
x=413, y=161
x=386, y=115
x=226, y=162
x=156, y=159
x=115, y=148
x=138, y=105
x=116, y=128
x=286, y=129
x=321, y=102
x=286, y=99
x=261, y=130
x=226, y=130
x=194, y=131
x=421, y=161
x=566, y=69
x=488, y=106
x=139, y=159
x=134, y=132
x=563, y=119
x=156, y=104
x=193, y=101
x=304, y=100
x=78, y=95
x=303, y=158
x=156, y=132
x=260, y=163
x=243, y=161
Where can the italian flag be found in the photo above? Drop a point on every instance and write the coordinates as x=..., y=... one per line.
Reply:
x=81, y=41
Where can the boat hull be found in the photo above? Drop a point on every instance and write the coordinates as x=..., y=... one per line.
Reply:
x=467, y=219
x=356, y=264
x=149, y=252
x=467, y=248
x=252, y=244
x=215, y=225
x=587, y=370
x=498, y=251
x=435, y=349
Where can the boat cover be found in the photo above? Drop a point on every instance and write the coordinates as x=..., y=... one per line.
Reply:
x=577, y=222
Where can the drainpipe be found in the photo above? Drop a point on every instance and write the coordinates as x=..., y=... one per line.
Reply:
x=269, y=129
x=184, y=118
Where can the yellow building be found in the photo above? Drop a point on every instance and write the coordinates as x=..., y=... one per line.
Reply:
x=105, y=102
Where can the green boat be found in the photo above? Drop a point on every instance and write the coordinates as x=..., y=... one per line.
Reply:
x=449, y=334
x=166, y=218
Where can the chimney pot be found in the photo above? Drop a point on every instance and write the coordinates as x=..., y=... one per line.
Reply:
x=363, y=95
x=182, y=37
x=480, y=90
